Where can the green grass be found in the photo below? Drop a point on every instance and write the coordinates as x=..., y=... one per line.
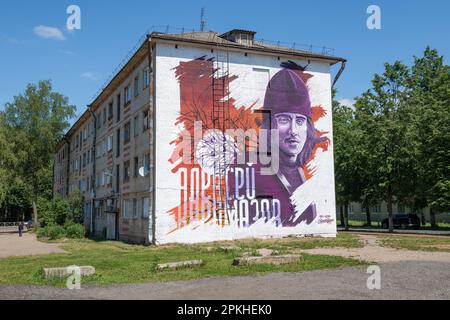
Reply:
x=436, y=244
x=116, y=262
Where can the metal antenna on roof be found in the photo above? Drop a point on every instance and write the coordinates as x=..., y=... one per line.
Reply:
x=202, y=19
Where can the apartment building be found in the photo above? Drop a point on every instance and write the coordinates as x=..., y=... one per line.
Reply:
x=145, y=180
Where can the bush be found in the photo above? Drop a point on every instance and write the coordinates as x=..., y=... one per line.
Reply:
x=56, y=232
x=75, y=231
x=60, y=210
x=52, y=232
x=42, y=232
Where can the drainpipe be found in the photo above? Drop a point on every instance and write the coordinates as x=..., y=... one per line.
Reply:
x=94, y=175
x=339, y=73
x=152, y=70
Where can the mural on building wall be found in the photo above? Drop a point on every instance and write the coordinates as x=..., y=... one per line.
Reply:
x=258, y=172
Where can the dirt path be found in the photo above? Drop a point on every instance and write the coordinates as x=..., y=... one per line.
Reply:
x=12, y=245
x=373, y=251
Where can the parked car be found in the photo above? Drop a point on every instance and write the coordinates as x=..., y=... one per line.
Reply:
x=403, y=221
x=29, y=224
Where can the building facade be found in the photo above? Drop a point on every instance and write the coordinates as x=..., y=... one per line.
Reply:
x=204, y=137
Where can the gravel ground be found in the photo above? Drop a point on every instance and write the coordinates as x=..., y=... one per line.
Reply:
x=372, y=251
x=13, y=245
x=399, y=280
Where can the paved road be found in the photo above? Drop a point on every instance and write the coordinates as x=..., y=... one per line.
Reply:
x=400, y=280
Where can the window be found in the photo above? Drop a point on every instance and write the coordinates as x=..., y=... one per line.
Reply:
x=136, y=167
x=108, y=177
x=136, y=125
x=146, y=164
x=110, y=142
x=110, y=111
x=126, y=133
x=84, y=159
x=145, y=207
x=126, y=209
x=146, y=78
x=85, y=133
x=126, y=171
x=145, y=120
x=135, y=209
x=136, y=86
x=99, y=120
x=80, y=164
x=104, y=116
x=127, y=95
x=118, y=108
x=118, y=143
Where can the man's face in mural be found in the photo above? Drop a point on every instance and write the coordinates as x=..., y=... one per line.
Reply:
x=292, y=129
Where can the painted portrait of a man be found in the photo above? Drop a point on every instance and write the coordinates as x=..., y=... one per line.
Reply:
x=287, y=108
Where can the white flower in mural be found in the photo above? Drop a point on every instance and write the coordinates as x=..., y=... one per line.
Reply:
x=215, y=152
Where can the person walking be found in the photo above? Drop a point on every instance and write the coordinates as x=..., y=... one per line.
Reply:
x=21, y=228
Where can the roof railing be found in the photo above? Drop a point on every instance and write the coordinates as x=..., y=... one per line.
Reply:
x=194, y=34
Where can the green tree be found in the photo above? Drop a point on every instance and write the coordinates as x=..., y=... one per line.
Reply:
x=346, y=171
x=430, y=102
x=384, y=146
x=35, y=121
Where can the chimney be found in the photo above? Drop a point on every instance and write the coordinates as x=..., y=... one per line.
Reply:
x=242, y=37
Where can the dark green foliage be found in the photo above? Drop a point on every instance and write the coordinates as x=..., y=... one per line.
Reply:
x=30, y=128
x=394, y=145
x=75, y=231
x=60, y=211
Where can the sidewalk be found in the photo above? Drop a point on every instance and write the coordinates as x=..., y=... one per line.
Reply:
x=13, y=245
x=398, y=231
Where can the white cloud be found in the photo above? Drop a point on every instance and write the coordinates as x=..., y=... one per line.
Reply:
x=48, y=33
x=93, y=76
x=347, y=102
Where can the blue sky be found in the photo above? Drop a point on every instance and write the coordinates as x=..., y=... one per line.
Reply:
x=79, y=62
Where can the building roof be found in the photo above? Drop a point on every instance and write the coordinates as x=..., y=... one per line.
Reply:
x=214, y=39
x=203, y=38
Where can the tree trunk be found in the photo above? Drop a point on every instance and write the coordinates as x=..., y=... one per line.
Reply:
x=341, y=212
x=433, y=218
x=389, y=207
x=35, y=213
x=346, y=217
x=422, y=218
x=369, y=218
